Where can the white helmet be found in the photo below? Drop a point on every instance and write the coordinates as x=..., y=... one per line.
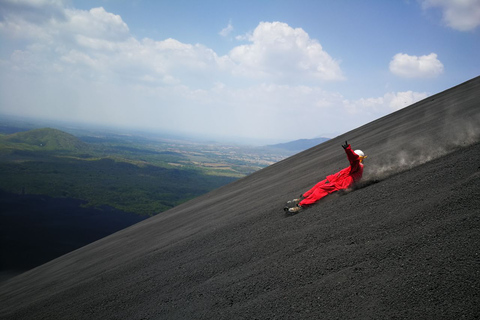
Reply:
x=359, y=153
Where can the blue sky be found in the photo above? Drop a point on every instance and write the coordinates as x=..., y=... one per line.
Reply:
x=251, y=71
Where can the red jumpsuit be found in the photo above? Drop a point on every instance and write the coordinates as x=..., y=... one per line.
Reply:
x=338, y=181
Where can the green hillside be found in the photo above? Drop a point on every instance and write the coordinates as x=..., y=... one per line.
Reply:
x=130, y=177
x=47, y=139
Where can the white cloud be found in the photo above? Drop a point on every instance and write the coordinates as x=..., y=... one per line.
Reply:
x=259, y=111
x=29, y=18
x=399, y=100
x=227, y=30
x=98, y=45
x=462, y=15
x=408, y=66
x=86, y=65
x=389, y=102
x=96, y=23
x=280, y=51
x=48, y=21
x=102, y=41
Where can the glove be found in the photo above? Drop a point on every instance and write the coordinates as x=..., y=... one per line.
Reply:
x=345, y=146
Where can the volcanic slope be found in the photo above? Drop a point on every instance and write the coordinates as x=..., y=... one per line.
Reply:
x=403, y=245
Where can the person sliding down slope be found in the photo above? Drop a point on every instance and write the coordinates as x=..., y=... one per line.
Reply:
x=343, y=179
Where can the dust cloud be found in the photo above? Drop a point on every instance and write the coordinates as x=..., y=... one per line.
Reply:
x=412, y=153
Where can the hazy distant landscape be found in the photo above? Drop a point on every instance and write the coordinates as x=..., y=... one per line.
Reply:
x=139, y=174
x=62, y=190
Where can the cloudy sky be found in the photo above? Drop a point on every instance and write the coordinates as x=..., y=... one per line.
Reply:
x=261, y=71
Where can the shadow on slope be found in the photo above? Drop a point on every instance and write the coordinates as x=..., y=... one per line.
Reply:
x=37, y=228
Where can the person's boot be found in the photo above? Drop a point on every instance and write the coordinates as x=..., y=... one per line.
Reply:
x=295, y=209
x=294, y=201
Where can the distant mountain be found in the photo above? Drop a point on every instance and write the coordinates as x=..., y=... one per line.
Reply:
x=299, y=145
x=48, y=139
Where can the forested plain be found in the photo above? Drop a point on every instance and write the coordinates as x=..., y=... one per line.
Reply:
x=124, y=174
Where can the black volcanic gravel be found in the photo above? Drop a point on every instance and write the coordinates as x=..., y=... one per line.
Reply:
x=403, y=245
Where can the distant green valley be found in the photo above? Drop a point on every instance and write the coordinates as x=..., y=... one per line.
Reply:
x=132, y=174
